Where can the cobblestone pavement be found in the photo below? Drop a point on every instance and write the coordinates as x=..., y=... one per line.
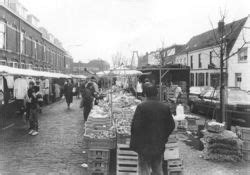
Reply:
x=56, y=150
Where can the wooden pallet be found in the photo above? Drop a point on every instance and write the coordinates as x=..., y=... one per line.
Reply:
x=127, y=161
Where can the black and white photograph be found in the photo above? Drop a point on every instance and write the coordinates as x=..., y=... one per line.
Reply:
x=124, y=87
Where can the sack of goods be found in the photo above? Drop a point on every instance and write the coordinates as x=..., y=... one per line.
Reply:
x=214, y=126
x=223, y=146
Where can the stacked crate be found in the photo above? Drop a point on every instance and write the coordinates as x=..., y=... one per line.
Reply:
x=98, y=148
x=98, y=161
x=126, y=160
x=172, y=157
x=244, y=134
x=191, y=124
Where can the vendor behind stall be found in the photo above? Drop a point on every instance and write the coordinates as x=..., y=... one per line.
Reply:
x=177, y=93
x=87, y=100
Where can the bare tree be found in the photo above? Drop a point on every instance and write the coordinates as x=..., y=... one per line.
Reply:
x=118, y=60
x=222, y=39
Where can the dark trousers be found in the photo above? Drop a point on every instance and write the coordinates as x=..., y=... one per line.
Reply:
x=148, y=164
x=33, y=119
x=86, y=111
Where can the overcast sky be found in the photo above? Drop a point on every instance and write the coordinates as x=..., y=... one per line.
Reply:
x=91, y=29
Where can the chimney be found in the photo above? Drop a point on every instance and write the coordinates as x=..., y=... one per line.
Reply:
x=221, y=27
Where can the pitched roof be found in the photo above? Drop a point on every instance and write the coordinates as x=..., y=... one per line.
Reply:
x=209, y=38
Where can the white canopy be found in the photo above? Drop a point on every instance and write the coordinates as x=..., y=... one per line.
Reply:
x=78, y=76
x=121, y=71
x=30, y=72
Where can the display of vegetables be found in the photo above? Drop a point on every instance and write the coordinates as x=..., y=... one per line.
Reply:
x=99, y=134
x=123, y=107
x=123, y=126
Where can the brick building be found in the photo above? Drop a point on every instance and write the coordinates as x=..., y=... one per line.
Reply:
x=91, y=67
x=24, y=45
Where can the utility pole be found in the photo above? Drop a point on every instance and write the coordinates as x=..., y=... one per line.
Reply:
x=221, y=29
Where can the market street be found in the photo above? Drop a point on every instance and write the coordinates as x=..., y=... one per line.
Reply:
x=57, y=149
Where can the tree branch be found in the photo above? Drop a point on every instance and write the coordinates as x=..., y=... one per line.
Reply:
x=215, y=37
x=235, y=52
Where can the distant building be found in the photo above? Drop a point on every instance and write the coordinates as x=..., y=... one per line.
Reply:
x=168, y=55
x=152, y=58
x=91, y=67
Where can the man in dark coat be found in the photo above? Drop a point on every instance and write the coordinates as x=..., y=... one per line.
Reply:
x=68, y=93
x=151, y=126
x=87, y=100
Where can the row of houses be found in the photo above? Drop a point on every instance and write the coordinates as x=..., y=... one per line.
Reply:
x=25, y=45
x=202, y=51
x=92, y=67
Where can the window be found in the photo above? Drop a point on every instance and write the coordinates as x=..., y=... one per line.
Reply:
x=211, y=57
x=201, y=79
x=35, y=49
x=191, y=79
x=238, y=80
x=2, y=35
x=22, y=42
x=200, y=65
x=2, y=62
x=207, y=77
x=44, y=53
x=214, y=79
x=191, y=61
x=242, y=55
x=196, y=79
x=12, y=64
x=28, y=66
x=23, y=65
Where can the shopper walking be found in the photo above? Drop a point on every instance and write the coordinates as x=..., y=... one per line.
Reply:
x=87, y=100
x=68, y=93
x=32, y=105
x=151, y=126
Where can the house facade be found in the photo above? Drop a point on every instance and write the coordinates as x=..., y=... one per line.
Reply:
x=239, y=64
x=24, y=45
x=201, y=53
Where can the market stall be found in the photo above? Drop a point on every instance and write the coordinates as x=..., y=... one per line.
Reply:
x=107, y=130
x=14, y=84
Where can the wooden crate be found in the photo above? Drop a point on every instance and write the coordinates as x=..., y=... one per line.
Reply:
x=98, y=154
x=175, y=171
x=175, y=164
x=171, y=153
x=123, y=139
x=246, y=145
x=243, y=133
x=127, y=161
x=98, y=167
x=246, y=155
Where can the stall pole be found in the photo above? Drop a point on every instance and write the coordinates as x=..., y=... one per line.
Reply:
x=160, y=86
